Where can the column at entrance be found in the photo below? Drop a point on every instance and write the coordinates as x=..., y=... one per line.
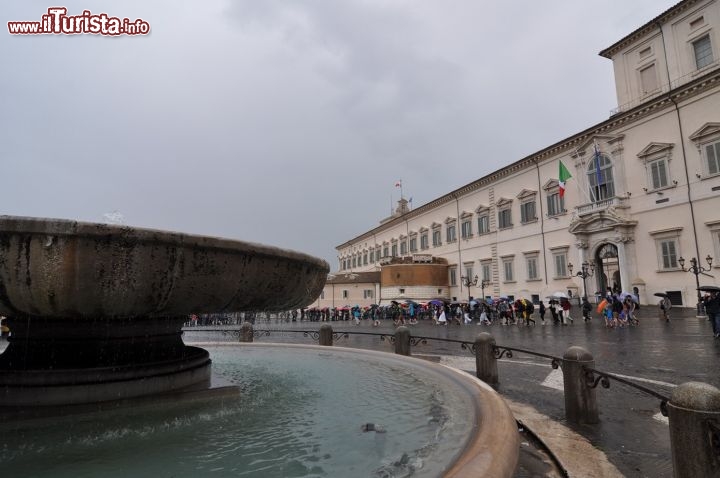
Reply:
x=625, y=279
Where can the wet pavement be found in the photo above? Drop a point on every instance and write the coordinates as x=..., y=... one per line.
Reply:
x=632, y=432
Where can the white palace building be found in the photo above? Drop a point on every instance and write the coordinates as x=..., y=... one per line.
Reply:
x=641, y=209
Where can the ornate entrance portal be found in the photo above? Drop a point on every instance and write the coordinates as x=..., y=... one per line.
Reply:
x=607, y=268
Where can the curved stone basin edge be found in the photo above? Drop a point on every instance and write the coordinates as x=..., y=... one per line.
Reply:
x=70, y=227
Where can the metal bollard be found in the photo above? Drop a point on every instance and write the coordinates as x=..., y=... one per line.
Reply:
x=580, y=401
x=402, y=341
x=485, y=361
x=326, y=335
x=694, y=413
x=246, y=332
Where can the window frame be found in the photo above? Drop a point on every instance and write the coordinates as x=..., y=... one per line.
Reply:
x=450, y=232
x=437, y=236
x=505, y=217
x=715, y=145
x=555, y=204
x=644, y=91
x=657, y=155
x=486, y=270
x=466, y=228
x=709, y=59
x=560, y=262
x=508, y=263
x=524, y=219
x=606, y=169
x=452, y=275
x=469, y=266
x=532, y=257
x=560, y=271
x=651, y=170
x=708, y=136
x=669, y=260
x=483, y=223
x=666, y=236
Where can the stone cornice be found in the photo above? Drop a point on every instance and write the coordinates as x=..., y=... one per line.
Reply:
x=648, y=27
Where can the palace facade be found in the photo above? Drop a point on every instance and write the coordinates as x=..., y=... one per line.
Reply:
x=643, y=201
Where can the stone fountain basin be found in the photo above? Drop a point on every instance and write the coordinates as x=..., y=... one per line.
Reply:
x=96, y=310
x=61, y=268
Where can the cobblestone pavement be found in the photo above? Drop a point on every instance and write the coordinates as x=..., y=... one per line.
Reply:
x=632, y=432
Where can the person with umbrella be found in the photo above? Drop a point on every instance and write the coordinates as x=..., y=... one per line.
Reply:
x=712, y=307
x=664, y=305
x=553, y=310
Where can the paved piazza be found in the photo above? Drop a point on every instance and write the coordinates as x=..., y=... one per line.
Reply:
x=632, y=432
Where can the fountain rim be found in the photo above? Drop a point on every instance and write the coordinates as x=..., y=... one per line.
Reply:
x=492, y=449
x=74, y=228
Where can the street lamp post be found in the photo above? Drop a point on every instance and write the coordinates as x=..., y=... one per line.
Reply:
x=697, y=269
x=587, y=269
x=484, y=284
x=469, y=282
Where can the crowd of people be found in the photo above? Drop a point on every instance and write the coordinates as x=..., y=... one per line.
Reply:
x=482, y=312
x=617, y=310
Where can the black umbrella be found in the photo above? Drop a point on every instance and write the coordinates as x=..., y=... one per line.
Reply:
x=709, y=288
x=660, y=294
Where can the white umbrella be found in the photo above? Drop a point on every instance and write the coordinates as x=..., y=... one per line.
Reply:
x=624, y=295
x=560, y=295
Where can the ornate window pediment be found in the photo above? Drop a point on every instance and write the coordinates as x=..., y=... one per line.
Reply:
x=551, y=184
x=465, y=215
x=670, y=231
x=482, y=209
x=706, y=133
x=526, y=194
x=450, y=220
x=654, y=150
x=707, y=141
x=412, y=233
x=435, y=225
x=504, y=202
x=587, y=148
x=423, y=229
x=656, y=157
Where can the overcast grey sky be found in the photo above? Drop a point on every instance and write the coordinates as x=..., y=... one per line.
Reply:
x=289, y=122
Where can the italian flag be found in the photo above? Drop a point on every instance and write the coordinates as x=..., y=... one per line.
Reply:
x=563, y=176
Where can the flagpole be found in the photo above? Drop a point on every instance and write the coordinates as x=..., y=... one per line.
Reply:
x=584, y=184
